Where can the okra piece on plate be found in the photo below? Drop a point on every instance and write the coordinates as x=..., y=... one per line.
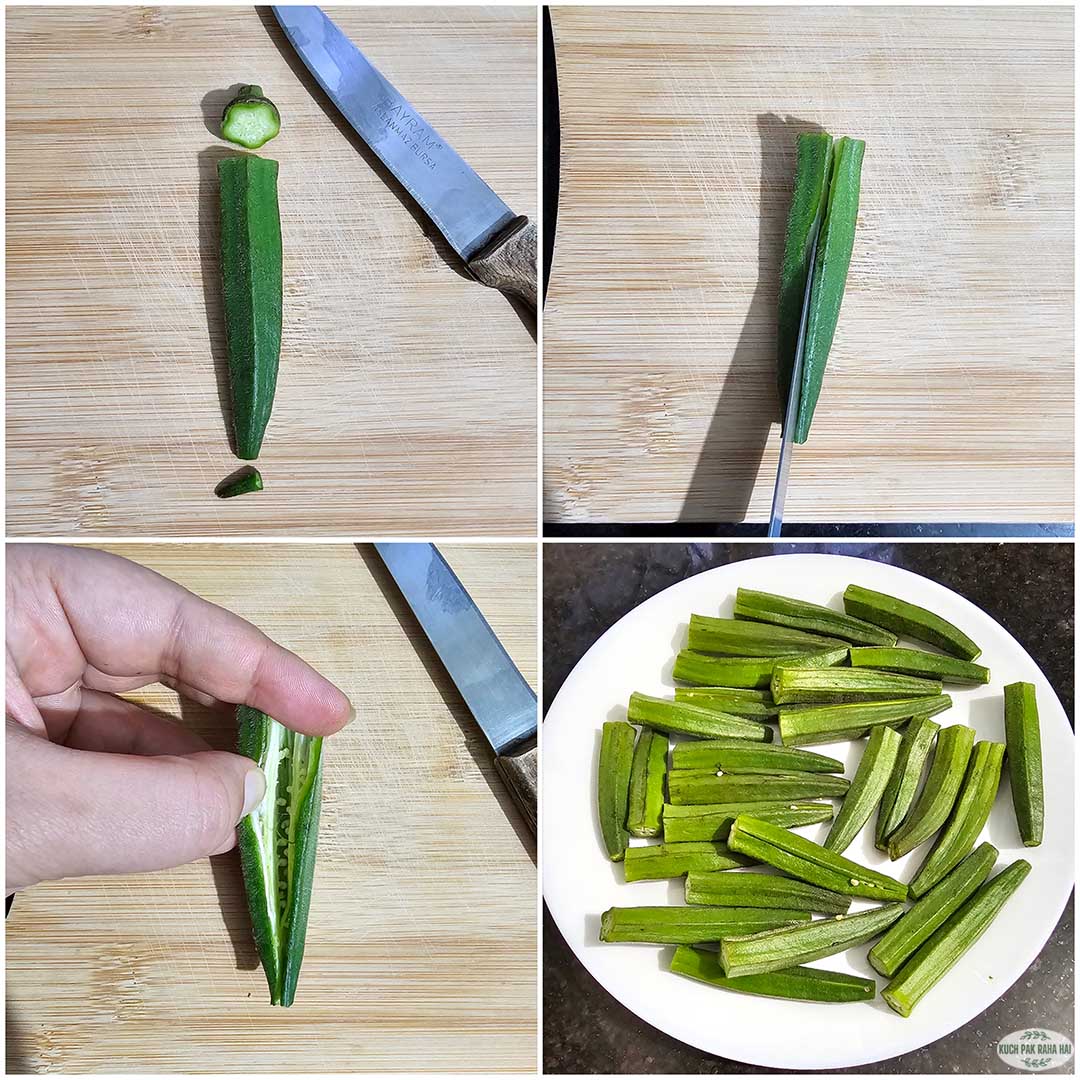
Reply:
x=969, y=815
x=935, y=801
x=613, y=786
x=754, y=890
x=933, y=961
x=251, y=276
x=803, y=859
x=751, y=704
x=919, y=662
x=805, y=725
x=786, y=946
x=1024, y=742
x=812, y=618
x=647, y=770
x=868, y=786
x=652, y=862
x=795, y=686
x=678, y=718
x=736, y=637
x=694, y=787
x=741, y=672
x=277, y=842
x=668, y=925
x=693, y=823
x=792, y=984
x=909, y=620
x=919, y=922
x=735, y=756
x=904, y=782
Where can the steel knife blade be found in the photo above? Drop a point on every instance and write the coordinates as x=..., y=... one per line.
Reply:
x=499, y=698
x=776, y=514
x=497, y=246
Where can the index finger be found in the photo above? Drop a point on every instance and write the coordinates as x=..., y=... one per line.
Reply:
x=129, y=620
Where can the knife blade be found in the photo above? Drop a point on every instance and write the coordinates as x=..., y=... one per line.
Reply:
x=496, y=693
x=496, y=246
x=783, y=467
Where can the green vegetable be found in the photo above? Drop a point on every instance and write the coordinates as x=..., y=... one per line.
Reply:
x=1025, y=760
x=652, y=861
x=613, y=786
x=752, y=890
x=240, y=483
x=784, y=947
x=809, y=200
x=813, y=618
x=743, y=671
x=919, y=662
x=695, y=788
x=676, y=717
x=801, y=858
x=277, y=842
x=936, y=799
x=687, y=925
x=250, y=119
x=909, y=620
x=753, y=704
x=251, y=284
x=835, y=243
x=950, y=941
x=804, y=726
x=792, y=984
x=904, y=781
x=791, y=686
x=734, y=637
x=867, y=788
x=969, y=815
x=682, y=823
x=647, y=771
x=735, y=756
x=918, y=923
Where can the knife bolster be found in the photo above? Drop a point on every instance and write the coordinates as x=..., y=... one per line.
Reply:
x=508, y=262
x=519, y=773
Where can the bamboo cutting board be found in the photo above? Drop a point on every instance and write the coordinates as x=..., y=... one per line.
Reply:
x=949, y=391
x=421, y=947
x=406, y=400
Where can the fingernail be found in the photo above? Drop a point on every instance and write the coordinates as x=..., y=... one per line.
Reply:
x=352, y=712
x=254, y=790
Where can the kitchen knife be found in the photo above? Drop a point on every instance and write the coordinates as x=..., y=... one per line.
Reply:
x=496, y=246
x=500, y=699
x=776, y=514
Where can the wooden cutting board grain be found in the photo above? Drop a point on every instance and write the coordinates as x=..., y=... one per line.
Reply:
x=421, y=948
x=406, y=400
x=949, y=391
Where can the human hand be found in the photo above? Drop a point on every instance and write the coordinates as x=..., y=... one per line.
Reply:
x=96, y=784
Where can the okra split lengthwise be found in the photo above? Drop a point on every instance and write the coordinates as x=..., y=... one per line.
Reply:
x=724, y=810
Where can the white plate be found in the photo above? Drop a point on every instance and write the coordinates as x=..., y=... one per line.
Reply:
x=580, y=883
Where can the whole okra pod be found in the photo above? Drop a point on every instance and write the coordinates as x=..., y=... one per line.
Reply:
x=904, y=782
x=613, y=785
x=667, y=925
x=909, y=620
x=753, y=890
x=735, y=637
x=647, y=771
x=678, y=718
x=651, y=862
x=735, y=756
x=812, y=618
x=875, y=767
x=1024, y=742
x=694, y=787
x=806, y=725
x=688, y=823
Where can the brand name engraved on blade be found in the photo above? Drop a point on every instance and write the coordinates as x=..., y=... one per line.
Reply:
x=415, y=134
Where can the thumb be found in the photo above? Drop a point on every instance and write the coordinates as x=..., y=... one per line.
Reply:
x=97, y=813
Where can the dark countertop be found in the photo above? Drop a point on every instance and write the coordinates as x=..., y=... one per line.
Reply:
x=1027, y=587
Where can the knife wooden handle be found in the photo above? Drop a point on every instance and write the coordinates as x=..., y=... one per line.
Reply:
x=519, y=774
x=508, y=263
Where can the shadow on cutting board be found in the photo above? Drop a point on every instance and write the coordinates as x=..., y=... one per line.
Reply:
x=724, y=477
x=438, y=242
x=210, y=265
x=472, y=736
x=217, y=725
